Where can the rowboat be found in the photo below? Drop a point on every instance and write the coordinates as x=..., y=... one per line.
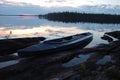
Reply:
x=57, y=45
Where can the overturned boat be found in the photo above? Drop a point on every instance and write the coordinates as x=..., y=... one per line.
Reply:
x=57, y=45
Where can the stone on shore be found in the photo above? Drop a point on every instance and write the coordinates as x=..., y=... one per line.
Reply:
x=51, y=67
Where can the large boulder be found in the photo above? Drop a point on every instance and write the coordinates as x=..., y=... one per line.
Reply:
x=110, y=35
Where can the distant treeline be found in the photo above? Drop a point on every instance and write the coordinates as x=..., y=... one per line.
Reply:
x=82, y=17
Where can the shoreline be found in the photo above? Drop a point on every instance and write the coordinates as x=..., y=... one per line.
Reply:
x=9, y=46
x=50, y=67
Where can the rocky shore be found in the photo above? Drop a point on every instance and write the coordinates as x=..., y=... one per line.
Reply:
x=51, y=67
x=8, y=46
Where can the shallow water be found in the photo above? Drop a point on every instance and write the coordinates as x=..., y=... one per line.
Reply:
x=77, y=60
x=32, y=26
x=104, y=60
x=8, y=63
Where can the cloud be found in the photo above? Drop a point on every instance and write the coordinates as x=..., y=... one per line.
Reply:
x=50, y=1
x=59, y=3
x=13, y=3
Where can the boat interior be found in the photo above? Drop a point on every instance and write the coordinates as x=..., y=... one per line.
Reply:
x=65, y=39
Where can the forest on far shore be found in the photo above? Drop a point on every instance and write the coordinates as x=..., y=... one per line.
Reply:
x=74, y=17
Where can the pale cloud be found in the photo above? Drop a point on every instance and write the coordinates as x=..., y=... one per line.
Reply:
x=50, y=1
x=13, y=3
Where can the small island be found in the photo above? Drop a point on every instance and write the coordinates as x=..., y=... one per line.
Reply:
x=74, y=17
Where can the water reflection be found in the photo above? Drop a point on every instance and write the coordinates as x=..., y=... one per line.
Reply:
x=47, y=31
x=8, y=63
x=35, y=27
x=104, y=60
x=77, y=60
x=16, y=27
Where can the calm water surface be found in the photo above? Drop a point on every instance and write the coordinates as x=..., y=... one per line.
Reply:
x=31, y=26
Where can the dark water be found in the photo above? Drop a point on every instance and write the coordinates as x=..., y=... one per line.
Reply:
x=31, y=26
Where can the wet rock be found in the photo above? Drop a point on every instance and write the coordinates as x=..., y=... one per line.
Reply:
x=110, y=35
x=115, y=34
x=105, y=37
x=8, y=46
x=50, y=67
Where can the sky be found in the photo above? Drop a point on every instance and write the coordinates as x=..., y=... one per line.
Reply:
x=61, y=3
x=47, y=6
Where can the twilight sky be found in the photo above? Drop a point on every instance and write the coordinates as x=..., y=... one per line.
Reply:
x=61, y=3
x=46, y=6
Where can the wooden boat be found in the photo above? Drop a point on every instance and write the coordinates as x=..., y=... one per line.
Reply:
x=56, y=45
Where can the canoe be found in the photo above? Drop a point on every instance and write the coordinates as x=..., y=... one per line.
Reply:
x=57, y=45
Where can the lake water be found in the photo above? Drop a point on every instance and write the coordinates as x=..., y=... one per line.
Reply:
x=32, y=26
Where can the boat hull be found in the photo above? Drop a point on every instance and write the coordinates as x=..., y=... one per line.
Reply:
x=78, y=43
